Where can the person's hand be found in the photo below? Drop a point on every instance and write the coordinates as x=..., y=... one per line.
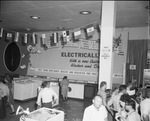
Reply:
x=117, y=116
x=38, y=106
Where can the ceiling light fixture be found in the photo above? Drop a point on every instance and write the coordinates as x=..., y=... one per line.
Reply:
x=60, y=28
x=35, y=17
x=28, y=29
x=85, y=12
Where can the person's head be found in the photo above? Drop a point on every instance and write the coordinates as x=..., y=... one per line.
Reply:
x=115, y=90
x=103, y=85
x=147, y=93
x=65, y=77
x=122, y=89
x=97, y=101
x=130, y=105
x=129, y=84
x=45, y=84
x=123, y=99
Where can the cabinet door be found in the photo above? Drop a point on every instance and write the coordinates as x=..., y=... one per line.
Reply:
x=71, y=91
x=79, y=91
x=36, y=84
x=27, y=89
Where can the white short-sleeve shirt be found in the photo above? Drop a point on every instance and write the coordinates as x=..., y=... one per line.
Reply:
x=145, y=107
x=92, y=114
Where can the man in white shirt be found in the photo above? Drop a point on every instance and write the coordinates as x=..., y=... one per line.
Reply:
x=145, y=107
x=46, y=97
x=96, y=111
x=132, y=115
x=4, y=97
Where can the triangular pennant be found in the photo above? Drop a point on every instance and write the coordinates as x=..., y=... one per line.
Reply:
x=16, y=37
x=1, y=34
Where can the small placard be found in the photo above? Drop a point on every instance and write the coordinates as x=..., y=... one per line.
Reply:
x=132, y=67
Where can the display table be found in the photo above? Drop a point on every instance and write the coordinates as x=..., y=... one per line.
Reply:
x=44, y=114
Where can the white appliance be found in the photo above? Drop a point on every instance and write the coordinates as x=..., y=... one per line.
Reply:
x=76, y=91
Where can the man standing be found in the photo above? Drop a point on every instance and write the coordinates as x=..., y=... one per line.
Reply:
x=46, y=97
x=4, y=97
x=132, y=114
x=64, y=87
x=145, y=107
x=96, y=111
x=102, y=92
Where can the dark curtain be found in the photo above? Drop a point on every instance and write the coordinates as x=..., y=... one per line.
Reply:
x=137, y=55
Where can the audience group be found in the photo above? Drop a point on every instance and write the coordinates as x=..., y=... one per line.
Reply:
x=123, y=103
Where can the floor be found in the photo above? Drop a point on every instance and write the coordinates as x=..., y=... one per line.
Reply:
x=73, y=109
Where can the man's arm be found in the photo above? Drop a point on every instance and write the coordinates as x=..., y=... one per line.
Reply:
x=145, y=117
x=86, y=115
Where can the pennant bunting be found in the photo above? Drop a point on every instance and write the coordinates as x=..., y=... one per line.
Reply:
x=33, y=38
x=43, y=39
x=9, y=36
x=62, y=41
x=54, y=39
x=89, y=31
x=66, y=36
x=1, y=34
x=16, y=37
x=25, y=38
x=76, y=35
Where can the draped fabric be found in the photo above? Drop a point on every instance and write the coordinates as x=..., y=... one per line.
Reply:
x=137, y=55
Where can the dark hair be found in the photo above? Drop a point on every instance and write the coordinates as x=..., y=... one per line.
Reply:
x=65, y=77
x=114, y=89
x=125, y=98
x=44, y=84
x=122, y=87
x=147, y=93
x=129, y=83
x=131, y=103
x=97, y=96
x=102, y=84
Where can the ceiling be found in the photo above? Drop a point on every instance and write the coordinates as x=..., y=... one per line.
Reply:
x=60, y=15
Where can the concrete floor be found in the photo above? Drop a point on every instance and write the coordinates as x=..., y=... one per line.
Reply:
x=73, y=109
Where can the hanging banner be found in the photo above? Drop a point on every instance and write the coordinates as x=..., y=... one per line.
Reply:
x=33, y=38
x=25, y=38
x=1, y=33
x=16, y=37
